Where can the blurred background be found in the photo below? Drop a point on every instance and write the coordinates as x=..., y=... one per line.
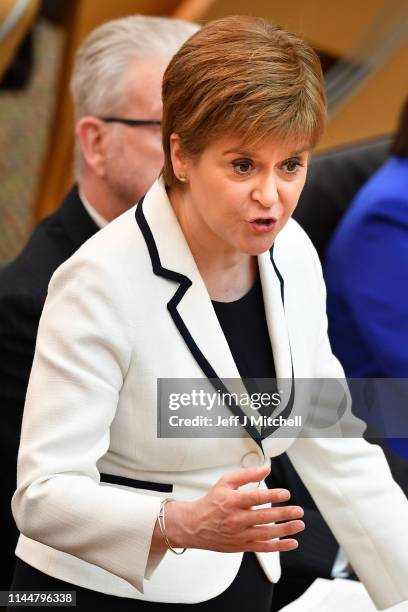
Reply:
x=363, y=46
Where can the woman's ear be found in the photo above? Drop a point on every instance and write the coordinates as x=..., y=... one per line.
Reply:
x=90, y=132
x=178, y=160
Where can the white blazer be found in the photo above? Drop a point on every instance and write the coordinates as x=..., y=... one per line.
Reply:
x=128, y=308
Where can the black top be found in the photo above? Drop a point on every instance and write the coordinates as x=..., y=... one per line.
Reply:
x=245, y=329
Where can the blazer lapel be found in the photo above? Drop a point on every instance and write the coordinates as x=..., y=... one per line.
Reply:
x=190, y=306
x=273, y=289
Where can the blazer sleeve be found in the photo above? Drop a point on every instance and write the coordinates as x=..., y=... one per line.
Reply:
x=83, y=351
x=352, y=486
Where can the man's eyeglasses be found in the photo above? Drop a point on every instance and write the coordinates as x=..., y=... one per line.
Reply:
x=131, y=122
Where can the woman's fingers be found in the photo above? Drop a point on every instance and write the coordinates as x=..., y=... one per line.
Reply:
x=230, y=520
x=264, y=516
x=258, y=497
x=244, y=476
x=270, y=532
x=272, y=546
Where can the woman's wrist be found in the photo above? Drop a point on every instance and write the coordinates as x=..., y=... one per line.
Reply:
x=178, y=516
x=178, y=521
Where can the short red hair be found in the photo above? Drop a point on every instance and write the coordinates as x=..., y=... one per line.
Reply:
x=246, y=77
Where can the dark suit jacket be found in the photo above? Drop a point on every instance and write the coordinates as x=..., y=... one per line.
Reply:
x=23, y=289
x=334, y=178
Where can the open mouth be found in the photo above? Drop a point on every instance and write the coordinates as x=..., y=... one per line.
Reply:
x=263, y=225
x=264, y=221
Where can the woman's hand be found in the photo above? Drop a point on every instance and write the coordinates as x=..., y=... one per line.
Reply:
x=225, y=520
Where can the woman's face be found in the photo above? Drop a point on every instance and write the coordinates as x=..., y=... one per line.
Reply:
x=238, y=198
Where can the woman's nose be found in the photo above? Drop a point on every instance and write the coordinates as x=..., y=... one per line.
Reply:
x=266, y=192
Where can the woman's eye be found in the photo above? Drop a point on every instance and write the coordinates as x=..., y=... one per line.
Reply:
x=242, y=166
x=291, y=166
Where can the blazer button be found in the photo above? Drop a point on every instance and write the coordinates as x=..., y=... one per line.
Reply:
x=251, y=460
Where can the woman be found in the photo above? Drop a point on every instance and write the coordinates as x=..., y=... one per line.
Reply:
x=207, y=277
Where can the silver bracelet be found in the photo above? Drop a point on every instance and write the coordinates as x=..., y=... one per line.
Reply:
x=162, y=525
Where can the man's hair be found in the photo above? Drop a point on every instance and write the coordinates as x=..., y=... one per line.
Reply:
x=400, y=143
x=245, y=77
x=98, y=82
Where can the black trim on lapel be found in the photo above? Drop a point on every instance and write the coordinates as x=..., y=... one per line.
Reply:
x=268, y=431
x=285, y=414
x=185, y=283
x=281, y=281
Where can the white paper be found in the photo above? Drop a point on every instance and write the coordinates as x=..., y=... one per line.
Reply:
x=336, y=596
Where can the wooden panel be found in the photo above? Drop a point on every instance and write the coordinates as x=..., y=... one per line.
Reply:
x=10, y=44
x=375, y=108
x=82, y=17
x=333, y=26
x=193, y=10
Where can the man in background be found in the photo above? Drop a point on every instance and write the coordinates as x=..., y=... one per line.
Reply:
x=116, y=87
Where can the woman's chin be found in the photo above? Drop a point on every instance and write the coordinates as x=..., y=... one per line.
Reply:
x=257, y=247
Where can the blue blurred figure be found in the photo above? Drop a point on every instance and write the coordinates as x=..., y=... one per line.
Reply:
x=366, y=274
